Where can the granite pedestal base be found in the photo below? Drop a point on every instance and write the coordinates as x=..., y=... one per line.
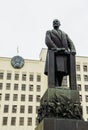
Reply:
x=62, y=124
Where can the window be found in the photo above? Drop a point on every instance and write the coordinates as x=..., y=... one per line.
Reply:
x=8, y=86
x=15, y=86
x=86, y=97
x=38, y=98
x=8, y=76
x=14, y=108
x=36, y=121
x=21, y=121
x=13, y=121
x=86, y=87
x=22, y=109
x=22, y=97
x=29, y=121
x=79, y=87
x=80, y=97
x=1, y=86
x=15, y=97
x=78, y=67
x=30, y=98
x=5, y=119
x=38, y=78
x=16, y=77
x=30, y=87
x=85, y=77
x=87, y=109
x=23, y=87
x=0, y=96
x=31, y=77
x=1, y=75
x=85, y=68
x=37, y=107
x=78, y=77
x=38, y=89
x=30, y=109
x=23, y=77
x=7, y=97
x=6, y=108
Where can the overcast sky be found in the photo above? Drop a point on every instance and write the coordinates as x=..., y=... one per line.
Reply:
x=24, y=23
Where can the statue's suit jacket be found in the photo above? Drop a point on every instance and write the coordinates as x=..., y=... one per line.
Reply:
x=58, y=39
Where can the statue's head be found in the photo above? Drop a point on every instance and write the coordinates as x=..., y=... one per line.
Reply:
x=56, y=23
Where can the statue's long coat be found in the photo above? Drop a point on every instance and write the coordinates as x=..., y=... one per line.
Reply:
x=59, y=39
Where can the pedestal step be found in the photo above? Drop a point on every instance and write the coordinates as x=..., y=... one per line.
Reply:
x=62, y=124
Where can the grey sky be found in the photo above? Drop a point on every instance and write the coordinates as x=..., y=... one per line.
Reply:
x=24, y=23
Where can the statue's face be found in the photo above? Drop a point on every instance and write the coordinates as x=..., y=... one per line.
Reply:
x=56, y=23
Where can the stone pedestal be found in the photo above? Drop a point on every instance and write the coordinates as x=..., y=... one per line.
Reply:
x=62, y=124
x=60, y=109
x=60, y=103
x=60, y=91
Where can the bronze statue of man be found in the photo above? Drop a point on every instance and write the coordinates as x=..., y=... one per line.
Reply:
x=60, y=51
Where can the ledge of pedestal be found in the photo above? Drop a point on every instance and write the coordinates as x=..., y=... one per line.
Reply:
x=62, y=124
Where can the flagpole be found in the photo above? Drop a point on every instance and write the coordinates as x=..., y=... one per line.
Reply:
x=17, y=50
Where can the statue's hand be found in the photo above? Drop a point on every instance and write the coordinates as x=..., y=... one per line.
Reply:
x=73, y=52
x=66, y=52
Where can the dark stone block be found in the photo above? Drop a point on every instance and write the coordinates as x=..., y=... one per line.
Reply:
x=62, y=124
x=60, y=103
x=71, y=94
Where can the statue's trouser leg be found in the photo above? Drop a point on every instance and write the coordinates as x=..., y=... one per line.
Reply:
x=58, y=79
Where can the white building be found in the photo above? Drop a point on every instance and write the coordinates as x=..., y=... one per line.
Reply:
x=23, y=83
x=82, y=83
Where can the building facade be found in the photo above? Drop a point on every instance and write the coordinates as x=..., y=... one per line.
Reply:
x=22, y=84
